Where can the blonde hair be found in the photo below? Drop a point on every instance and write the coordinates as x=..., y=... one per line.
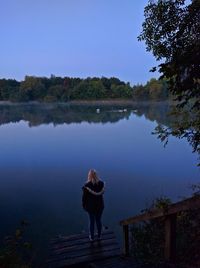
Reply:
x=92, y=176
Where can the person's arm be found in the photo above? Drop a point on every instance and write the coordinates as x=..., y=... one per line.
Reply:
x=96, y=193
x=84, y=197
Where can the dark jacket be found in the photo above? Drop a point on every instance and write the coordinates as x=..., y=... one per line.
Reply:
x=93, y=203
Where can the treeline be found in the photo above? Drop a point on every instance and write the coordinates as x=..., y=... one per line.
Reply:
x=63, y=89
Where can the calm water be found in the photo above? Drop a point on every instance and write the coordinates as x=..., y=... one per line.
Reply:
x=47, y=150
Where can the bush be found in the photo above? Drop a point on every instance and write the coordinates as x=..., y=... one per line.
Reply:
x=147, y=238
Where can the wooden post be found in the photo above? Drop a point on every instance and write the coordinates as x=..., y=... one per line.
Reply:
x=170, y=237
x=126, y=239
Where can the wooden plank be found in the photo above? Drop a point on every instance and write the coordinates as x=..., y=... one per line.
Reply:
x=78, y=237
x=75, y=237
x=190, y=203
x=88, y=252
x=85, y=259
x=170, y=238
x=80, y=242
x=78, y=249
x=100, y=244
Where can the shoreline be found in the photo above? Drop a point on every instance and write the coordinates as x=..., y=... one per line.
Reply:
x=103, y=102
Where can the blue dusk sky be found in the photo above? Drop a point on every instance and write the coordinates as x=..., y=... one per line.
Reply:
x=77, y=38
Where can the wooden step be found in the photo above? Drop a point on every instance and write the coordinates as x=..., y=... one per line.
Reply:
x=78, y=250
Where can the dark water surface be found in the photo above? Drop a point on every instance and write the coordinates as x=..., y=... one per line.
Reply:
x=47, y=150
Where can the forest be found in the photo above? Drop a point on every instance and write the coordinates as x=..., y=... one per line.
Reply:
x=63, y=89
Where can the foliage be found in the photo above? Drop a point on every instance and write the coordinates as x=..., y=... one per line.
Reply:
x=147, y=238
x=9, y=89
x=58, y=89
x=31, y=88
x=154, y=90
x=171, y=31
x=147, y=243
x=186, y=126
x=16, y=251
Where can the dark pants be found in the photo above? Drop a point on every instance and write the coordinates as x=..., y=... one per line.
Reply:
x=95, y=217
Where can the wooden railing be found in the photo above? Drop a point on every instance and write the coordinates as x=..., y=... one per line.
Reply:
x=170, y=215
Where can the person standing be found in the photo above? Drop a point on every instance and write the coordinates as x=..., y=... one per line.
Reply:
x=93, y=202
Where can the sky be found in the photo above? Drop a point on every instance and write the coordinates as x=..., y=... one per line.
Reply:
x=76, y=38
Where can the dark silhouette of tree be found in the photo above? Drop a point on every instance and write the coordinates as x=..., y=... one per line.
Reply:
x=171, y=31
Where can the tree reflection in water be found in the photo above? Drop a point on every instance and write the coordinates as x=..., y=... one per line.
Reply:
x=161, y=112
x=38, y=114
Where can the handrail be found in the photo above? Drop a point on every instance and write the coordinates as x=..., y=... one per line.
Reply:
x=190, y=203
x=170, y=214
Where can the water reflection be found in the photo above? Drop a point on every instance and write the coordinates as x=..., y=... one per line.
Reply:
x=38, y=114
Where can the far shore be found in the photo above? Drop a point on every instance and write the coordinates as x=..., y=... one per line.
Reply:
x=90, y=102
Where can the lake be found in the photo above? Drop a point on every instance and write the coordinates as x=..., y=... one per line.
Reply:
x=46, y=151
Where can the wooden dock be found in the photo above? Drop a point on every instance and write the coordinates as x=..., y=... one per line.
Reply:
x=79, y=251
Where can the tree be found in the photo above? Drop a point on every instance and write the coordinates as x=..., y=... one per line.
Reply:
x=67, y=84
x=121, y=91
x=32, y=88
x=96, y=90
x=65, y=89
x=171, y=31
x=9, y=89
x=56, y=92
x=155, y=89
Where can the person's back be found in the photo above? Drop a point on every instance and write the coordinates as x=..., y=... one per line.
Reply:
x=92, y=201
